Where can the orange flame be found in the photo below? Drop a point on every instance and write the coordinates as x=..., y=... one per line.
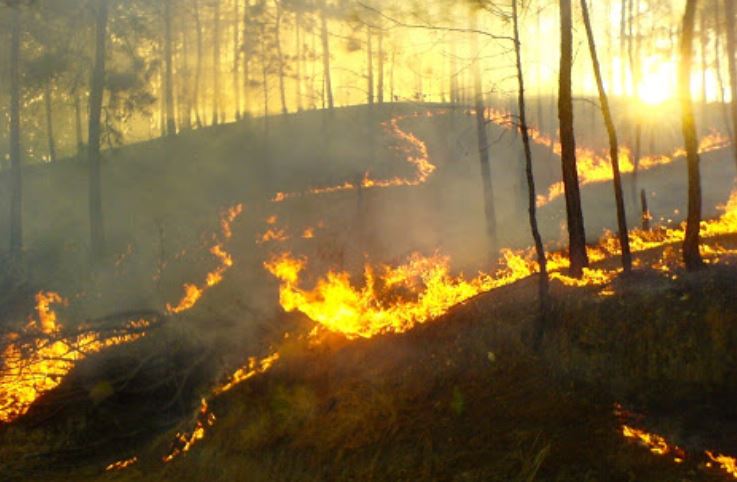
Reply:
x=192, y=292
x=185, y=441
x=415, y=152
x=121, y=464
x=36, y=361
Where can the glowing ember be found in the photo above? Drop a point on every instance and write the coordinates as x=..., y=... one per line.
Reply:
x=192, y=292
x=37, y=360
x=121, y=464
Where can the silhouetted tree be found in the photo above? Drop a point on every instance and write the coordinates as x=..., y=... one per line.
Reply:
x=691, y=255
x=613, y=143
x=97, y=90
x=576, y=234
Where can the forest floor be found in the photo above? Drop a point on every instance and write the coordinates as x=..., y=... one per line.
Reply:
x=460, y=398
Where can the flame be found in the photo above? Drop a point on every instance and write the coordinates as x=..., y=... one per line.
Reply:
x=37, y=360
x=185, y=441
x=308, y=233
x=391, y=299
x=252, y=368
x=121, y=464
x=193, y=292
x=726, y=463
x=414, y=150
x=655, y=443
x=595, y=167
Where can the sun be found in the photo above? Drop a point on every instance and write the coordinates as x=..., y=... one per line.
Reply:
x=658, y=82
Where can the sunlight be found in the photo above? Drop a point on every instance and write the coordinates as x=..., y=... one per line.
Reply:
x=658, y=83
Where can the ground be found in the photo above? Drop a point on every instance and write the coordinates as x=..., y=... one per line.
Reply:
x=461, y=398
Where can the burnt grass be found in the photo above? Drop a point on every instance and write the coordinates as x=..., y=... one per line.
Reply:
x=459, y=398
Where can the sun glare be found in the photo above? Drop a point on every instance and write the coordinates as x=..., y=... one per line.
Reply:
x=657, y=84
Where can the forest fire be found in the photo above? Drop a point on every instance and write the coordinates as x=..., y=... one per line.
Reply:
x=37, y=360
x=655, y=443
x=414, y=151
x=594, y=167
x=185, y=441
x=193, y=292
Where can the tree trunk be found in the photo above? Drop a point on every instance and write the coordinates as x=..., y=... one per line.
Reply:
x=720, y=78
x=246, y=62
x=265, y=80
x=49, y=121
x=691, y=255
x=171, y=127
x=483, y=143
x=613, y=144
x=97, y=90
x=185, y=94
x=576, y=234
x=78, y=122
x=380, y=80
x=280, y=59
x=732, y=64
x=236, y=60
x=216, y=104
x=328, y=84
x=532, y=197
x=197, y=95
x=298, y=60
x=16, y=179
x=622, y=47
x=369, y=67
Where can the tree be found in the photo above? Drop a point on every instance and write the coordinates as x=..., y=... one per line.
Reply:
x=171, y=128
x=16, y=176
x=483, y=142
x=576, y=234
x=532, y=198
x=691, y=255
x=731, y=62
x=328, y=84
x=97, y=89
x=216, y=104
x=613, y=144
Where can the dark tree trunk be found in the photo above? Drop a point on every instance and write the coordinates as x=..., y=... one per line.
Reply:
x=576, y=234
x=298, y=60
x=613, y=144
x=171, y=127
x=369, y=67
x=720, y=78
x=265, y=80
x=78, y=122
x=185, y=84
x=246, y=61
x=328, y=84
x=483, y=143
x=380, y=80
x=236, y=59
x=49, y=121
x=532, y=197
x=197, y=94
x=732, y=63
x=97, y=90
x=280, y=59
x=691, y=255
x=216, y=105
x=16, y=176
